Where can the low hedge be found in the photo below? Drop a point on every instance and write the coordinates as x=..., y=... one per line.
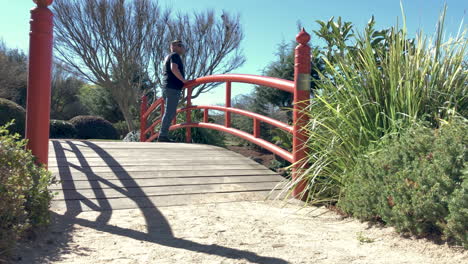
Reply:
x=62, y=129
x=9, y=110
x=416, y=182
x=93, y=127
x=24, y=197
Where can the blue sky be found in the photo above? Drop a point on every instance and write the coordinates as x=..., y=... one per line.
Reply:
x=267, y=23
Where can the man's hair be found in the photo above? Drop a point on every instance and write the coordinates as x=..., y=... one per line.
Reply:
x=176, y=42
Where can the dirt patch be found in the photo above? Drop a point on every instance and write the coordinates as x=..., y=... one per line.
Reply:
x=263, y=157
x=242, y=232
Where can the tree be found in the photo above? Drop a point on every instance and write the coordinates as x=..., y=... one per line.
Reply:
x=13, y=74
x=65, y=103
x=110, y=42
x=98, y=102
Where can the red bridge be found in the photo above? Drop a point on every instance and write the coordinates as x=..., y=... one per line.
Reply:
x=38, y=101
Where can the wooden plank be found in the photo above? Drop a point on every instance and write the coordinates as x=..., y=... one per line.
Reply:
x=178, y=158
x=145, y=163
x=162, y=190
x=127, y=183
x=200, y=167
x=122, y=175
x=145, y=154
x=144, y=174
x=130, y=145
x=159, y=201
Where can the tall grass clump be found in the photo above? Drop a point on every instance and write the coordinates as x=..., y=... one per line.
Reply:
x=381, y=84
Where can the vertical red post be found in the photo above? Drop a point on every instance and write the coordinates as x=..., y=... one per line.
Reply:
x=39, y=80
x=256, y=128
x=205, y=115
x=302, y=69
x=227, y=117
x=143, y=120
x=163, y=107
x=188, y=130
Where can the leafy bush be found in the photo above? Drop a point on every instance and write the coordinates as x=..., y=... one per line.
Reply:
x=99, y=102
x=93, y=127
x=122, y=128
x=199, y=135
x=415, y=182
x=62, y=129
x=383, y=82
x=24, y=198
x=9, y=110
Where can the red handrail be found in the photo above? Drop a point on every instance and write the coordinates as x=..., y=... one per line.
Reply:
x=277, y=83
x=300, y=88
x=283, y=126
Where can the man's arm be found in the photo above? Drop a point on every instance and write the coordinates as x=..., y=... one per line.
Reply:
x=175, y=70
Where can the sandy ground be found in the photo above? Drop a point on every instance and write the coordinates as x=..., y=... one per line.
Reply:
x=241, y=232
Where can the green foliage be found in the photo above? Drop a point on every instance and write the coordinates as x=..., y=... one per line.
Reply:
x=65, y=103
x=94, y=127
x=282, y=67
x=374, y=90
x=415, y=181
x=24, y=197
x=199, y=135
x=62, y=129
x=10, y=110
x=13, y=74
x=122, y=128
x=99, y=102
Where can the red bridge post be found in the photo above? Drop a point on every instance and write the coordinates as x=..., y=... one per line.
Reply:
x=143, y=120
x=301, y=101
x=39, y=80
x=227, y=115
x=188, y=116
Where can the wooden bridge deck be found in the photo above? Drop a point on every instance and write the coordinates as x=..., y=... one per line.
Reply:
x=101, y=175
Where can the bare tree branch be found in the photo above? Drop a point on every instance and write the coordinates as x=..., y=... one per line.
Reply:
x=121, y=45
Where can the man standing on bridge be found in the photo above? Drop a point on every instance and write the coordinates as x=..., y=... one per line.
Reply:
x=173, y=81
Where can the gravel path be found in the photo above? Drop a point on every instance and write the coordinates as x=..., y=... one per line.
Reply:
x=241, y=232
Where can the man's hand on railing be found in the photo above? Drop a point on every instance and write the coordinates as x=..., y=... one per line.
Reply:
x=188, y=82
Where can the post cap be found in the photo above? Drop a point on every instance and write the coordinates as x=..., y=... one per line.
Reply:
x=303, y=37
x=43, y=3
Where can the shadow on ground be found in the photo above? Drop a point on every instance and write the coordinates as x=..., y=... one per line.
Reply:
x=57, y=241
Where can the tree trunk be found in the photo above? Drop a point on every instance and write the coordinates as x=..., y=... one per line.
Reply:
x=128, y=119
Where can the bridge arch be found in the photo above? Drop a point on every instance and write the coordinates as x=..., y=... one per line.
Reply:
x=300, y=88
x=39, y=85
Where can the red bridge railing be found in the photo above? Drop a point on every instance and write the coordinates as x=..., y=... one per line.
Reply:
x=300, y=88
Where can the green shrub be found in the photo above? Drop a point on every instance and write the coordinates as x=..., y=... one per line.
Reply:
x=383, y=82
x=62, y=129
x=199, y=135
x=93, y=127
x=415, y=182
x=99, y=102
x=122, y=128
x=24, y=198
x=9, y=110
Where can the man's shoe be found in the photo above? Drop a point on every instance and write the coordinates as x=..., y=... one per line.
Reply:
x=164, y=139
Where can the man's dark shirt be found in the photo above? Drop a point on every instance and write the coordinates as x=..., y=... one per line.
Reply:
x=169, y=79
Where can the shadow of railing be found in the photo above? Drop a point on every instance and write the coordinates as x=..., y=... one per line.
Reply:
x=158, y=228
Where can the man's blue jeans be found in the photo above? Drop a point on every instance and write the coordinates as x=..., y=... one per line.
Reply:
x=171, y=100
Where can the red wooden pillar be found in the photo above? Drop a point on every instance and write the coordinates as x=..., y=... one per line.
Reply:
x=302, y=69
x=143, y=120
x=39, y=80
x=256, y=128
x=205, y=116
x=188, y=130
x=227, y=117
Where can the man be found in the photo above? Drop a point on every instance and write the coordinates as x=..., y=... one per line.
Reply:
x=173, y=81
